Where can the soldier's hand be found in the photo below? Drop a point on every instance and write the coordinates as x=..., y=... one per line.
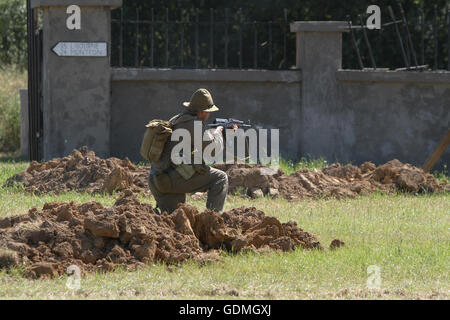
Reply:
x=219, y=129
x=235, y=127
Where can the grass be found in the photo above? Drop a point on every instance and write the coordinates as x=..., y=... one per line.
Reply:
x=442, y=175
x=289, y=167
x=406, y=236
x=11, y=80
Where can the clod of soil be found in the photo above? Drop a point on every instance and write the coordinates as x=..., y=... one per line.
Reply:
x=82, y=171
x=8, y=258
x=130, y=233
x=336, y=243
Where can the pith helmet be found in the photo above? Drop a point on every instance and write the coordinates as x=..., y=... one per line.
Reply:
x=201, y=100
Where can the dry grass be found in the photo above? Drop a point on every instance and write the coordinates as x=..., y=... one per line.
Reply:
x=12, y=79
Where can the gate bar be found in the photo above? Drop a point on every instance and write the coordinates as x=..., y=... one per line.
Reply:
x=226, y=37
x=34, y=72
x=366, y=39
x=405, y=23
x=448, y=42
x=240, y=38
x=136, y=57
x=182, y=38
x=435, y=24
x=405, y=59
x=270, y=45
x=211, y=37
x=121, y=39
x=167, y=38
x=349, y=21
x=255, y=46
x=422, y=35
x=284, y=37
x=196, y=38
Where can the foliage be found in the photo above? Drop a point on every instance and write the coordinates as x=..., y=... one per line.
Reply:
x=13, y=33
x=11, y=81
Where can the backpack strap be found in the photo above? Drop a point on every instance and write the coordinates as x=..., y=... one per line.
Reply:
x=175, y=120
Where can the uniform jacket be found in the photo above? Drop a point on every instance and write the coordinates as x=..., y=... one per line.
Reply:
x=184, y=120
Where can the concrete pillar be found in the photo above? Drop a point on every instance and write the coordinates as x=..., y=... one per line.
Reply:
x=76, y=90
x=319, y=56
x=24, y=124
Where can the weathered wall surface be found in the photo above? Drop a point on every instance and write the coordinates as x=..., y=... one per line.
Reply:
x=270, y=99
x=369, y=115
x=386, y=115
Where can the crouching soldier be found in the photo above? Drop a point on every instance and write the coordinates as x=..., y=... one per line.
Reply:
x=168, y=182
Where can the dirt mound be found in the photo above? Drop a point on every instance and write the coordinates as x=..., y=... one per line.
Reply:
x=248, y=177
x=130, y=233
x=333, y=181
x=82, y=171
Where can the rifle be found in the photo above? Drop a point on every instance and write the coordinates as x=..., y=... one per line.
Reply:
x=228, y=123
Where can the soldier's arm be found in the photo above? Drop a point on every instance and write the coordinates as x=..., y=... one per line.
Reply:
x=214, y=135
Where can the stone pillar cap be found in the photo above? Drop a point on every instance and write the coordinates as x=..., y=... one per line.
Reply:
x=82, y=3
x=319, y=26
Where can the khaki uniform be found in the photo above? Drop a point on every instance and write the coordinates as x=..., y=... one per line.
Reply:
x=169, y=187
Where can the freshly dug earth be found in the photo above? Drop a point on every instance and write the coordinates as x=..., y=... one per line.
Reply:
x=82, y=171
x=333, y=181
x=130, y=233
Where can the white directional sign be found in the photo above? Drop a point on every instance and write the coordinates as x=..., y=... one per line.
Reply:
x=81, y=49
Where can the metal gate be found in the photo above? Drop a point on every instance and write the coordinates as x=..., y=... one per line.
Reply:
x=34, y=41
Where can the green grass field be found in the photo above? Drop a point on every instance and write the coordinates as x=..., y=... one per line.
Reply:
x=407, y=237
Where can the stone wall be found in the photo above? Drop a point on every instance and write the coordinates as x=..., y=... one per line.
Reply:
x=320, y=109
x=269, y=99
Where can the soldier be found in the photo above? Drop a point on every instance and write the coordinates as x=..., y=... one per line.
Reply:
x=169, y=183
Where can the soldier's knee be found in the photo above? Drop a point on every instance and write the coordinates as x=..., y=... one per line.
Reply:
x=225, y=184
x=221, y=176
x=225, y=179
x=222, y=179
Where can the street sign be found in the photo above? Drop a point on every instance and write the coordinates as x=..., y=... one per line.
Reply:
x=81, y=49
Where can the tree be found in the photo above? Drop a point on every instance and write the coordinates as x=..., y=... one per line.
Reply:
x=13, y=32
